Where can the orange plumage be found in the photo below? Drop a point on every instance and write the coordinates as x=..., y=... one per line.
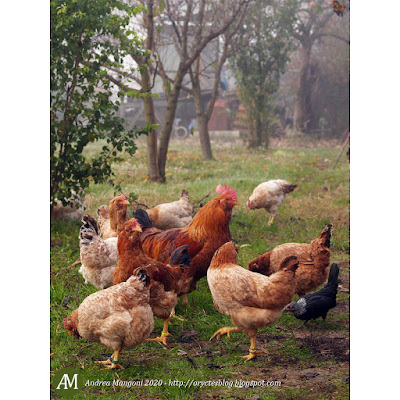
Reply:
x=313, y=261
x=165, y=279
x=208, y=231
x=112, y=218
x=250, y=299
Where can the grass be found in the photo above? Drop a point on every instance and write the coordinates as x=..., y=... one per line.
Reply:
x=322, y=197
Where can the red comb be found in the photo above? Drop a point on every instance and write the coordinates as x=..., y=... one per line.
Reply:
x=123, y=197
x=227, y=191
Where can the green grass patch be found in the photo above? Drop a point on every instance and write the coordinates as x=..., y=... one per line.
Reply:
x=322, y=197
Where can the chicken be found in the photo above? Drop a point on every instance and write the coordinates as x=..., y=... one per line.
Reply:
x=98, y=256
x=112, y=218
x=208, y=231
x=117, y=317
x=313, y=259
x=315, y=305
x=270, y=195
x=165, y=278
x=253, y=301
x=177, y=214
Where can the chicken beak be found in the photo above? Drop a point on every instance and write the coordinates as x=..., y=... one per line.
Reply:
x=236, y=203
x=126, y=203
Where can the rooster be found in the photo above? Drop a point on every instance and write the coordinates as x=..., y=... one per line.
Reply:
x=112, y=218
x=165, y=278
x=315, y=305
x=270, y=195
x=313, y=258
x=117, y=317
x=177, y=214
x=250, y=299
x=208, y=231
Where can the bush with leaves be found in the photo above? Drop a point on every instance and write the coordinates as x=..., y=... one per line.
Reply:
x=87, y=37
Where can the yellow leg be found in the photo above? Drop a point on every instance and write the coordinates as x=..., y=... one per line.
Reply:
x=164, y=334
x=271, y=220
x=112, y=362
x=252, y=350
x=224, y=331
x=175, y=316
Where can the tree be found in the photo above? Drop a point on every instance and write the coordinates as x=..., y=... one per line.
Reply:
x=180, y=18
x=85, y=37
x=259, y=62
x=312, y=21
x=203, y=114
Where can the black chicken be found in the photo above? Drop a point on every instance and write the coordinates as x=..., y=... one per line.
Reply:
x=315, y=305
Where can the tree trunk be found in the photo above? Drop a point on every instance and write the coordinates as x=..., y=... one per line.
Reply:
x=172, y=103
x=202, y=121
x=150, y=118
x=300, y=107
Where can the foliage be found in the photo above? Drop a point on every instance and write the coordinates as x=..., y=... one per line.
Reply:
x=258, y=64
x=86, y=36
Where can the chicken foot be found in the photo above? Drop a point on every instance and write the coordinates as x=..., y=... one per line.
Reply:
x=175, y=316
x=112, y=362
x=164, y=334
x=252, y=350
x=271, y=220
x=227, y=330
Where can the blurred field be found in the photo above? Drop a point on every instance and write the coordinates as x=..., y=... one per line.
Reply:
x=289, y=355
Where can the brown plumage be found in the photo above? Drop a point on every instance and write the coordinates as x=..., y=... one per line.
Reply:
x=250, y=299
x=165, y=287
x=208, y=231
x=112, y=218
x=313, y=261
x=176, y=214
x=117, y=317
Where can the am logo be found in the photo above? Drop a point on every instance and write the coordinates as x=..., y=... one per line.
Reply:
x=67, y=382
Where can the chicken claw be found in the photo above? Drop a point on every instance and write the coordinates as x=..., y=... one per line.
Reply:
x=175, y=316
x=162, y=339
x=112, y=362
x=224, y=331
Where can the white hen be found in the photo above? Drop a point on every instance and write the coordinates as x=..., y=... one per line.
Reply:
x=270, y=195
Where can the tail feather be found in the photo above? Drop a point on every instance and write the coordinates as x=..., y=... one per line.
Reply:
x=181, y=257
x=88, y=230
x=326, y=235
x=289, y=188
x=142, y=217
x=333, y=275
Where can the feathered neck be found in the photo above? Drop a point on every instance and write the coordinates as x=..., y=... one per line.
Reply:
x=210, y=221
x=226, y=254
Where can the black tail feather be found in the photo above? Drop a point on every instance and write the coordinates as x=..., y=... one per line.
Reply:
x=89, y=223
x=333, y=275
x=181, y=257
x=142, y=217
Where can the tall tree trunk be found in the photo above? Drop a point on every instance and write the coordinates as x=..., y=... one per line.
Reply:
x=150, y=118
x=300, y=107
x=172, y=102
x=202, y=121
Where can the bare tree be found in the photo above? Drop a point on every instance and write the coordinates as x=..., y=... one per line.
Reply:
x=203, y=114
x=190, y=33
